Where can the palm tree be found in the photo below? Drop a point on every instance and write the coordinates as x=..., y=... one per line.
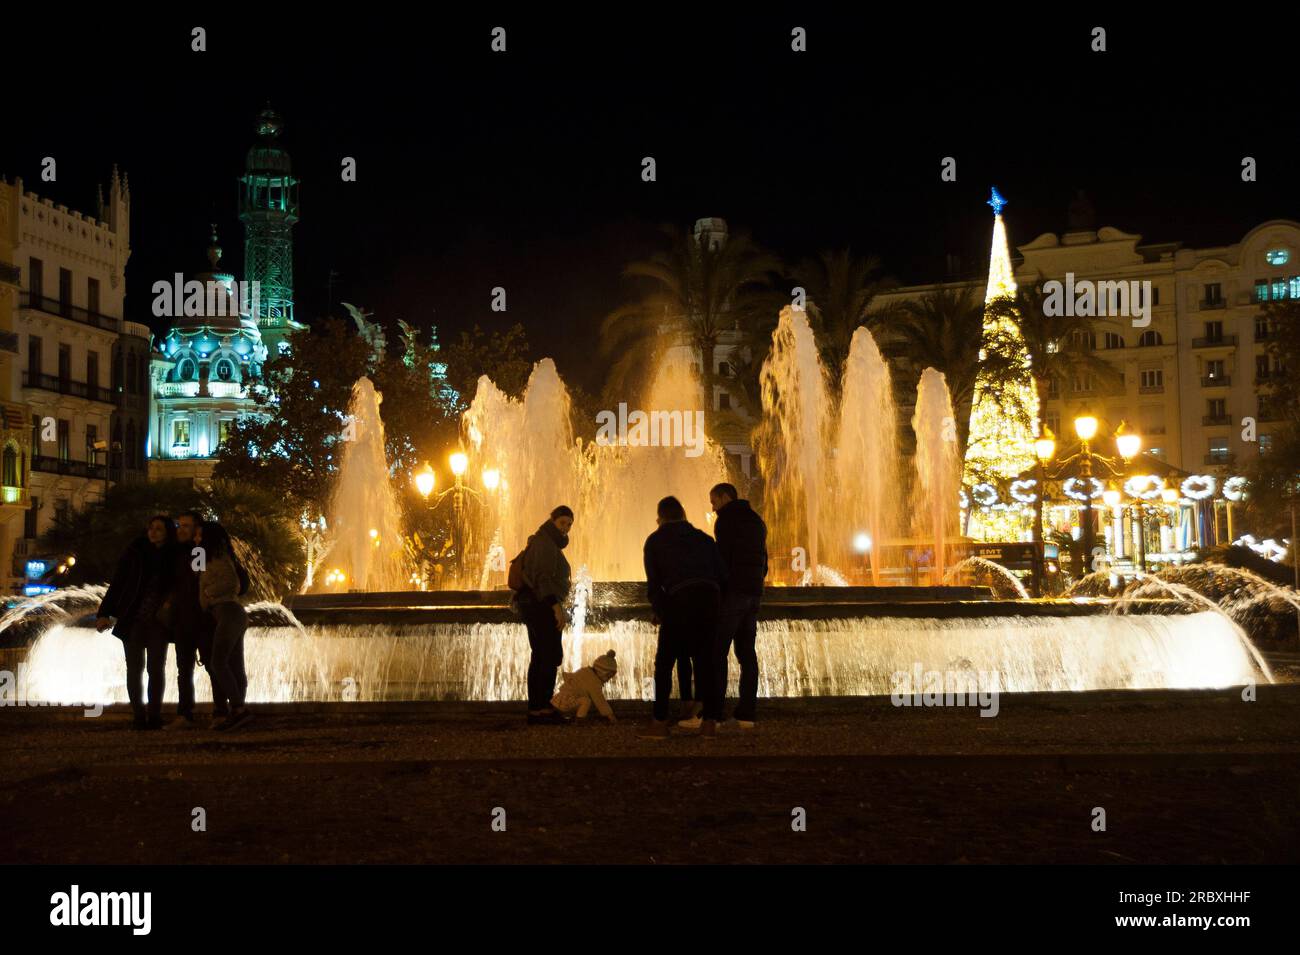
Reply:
x=697, y=290
x=944, y=330
x=1060, y=347
x=840, y=291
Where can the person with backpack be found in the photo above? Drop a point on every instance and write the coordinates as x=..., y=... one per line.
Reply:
x=132, y=607
x=540, y=579
x=222, y=582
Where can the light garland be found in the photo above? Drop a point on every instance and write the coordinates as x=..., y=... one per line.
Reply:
x=1144, y=486
x=1021, y=490
x=1234, y=489
x=1198, y=487
x=1073, y=488
x=985, y=495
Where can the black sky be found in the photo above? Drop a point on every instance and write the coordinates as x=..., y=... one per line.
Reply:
x=523, y=170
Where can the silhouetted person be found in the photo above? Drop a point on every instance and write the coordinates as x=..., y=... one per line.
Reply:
x=221, y=583
x=140, y=585
x=684, y=579
x=191, y=627
x=742, y=541
x=540, y=600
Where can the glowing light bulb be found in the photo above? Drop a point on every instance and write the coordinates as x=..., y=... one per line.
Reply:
x=491, y=478
x=425, y=481
x=459, y=462
x=1085, y=428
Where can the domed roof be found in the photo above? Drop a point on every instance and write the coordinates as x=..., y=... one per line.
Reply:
x=266, y=156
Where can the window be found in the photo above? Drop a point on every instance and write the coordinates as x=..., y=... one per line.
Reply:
x=1083, y=382
x=33, y=357
x=1216, y=408
x=1150, y=338
x=65, y=291
x=31, y=518
x=225, y=370
x=1261, y=290
x=1114, y=341
x=92, y=438
x=1053, y=423
x=1293, y=287
x=1279, y=289
x=724, y=369
x=12, y=474
x=1263, y=328
x=1214, y=331
x=1261, y=366
x=1086, y=341
x=65, y=364
x=1053, y=388
x=1277, y=256
x=724, y=401
x=36, y=434
x=186, y=371
x=92, y=369
x=36, y=279
x=1213, y=293
x=65, y=440
x=1214, y=369
x=92, y=295
x=223, y=431
x=1153, y=378
x=181, y=433
x=1218, y=450
x=1265, y=443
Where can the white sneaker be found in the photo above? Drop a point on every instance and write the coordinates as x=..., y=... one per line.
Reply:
x=745, y=724
x=692, y=724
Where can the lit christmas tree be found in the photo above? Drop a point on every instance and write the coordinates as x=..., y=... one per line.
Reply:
x=1004, y=410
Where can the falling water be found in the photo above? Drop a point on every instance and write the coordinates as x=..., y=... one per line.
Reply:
x=794, y=439
x=364, y=502
x=613, y=488
x=866, y=462
x=796, y=657
x=938, y=471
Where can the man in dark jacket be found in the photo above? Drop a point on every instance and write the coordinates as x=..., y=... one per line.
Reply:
x=742, y=541
x=541, y=603
x=140, y=584
x=684, y=578
x=191, y=627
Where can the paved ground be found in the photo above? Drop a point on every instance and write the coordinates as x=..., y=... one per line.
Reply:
x=1182, y=777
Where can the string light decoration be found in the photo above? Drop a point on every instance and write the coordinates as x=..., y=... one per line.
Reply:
x=1198, y=487
x=1234, y=489
x=1000, y=447
x=1074, y=488
x=1146, y=487
x=985, y=495
x=1025, y=491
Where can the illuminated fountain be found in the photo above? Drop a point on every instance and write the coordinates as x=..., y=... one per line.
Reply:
x=938, y=470
x=364, y=520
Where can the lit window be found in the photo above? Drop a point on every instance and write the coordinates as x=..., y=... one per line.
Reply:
x=1277, y=256
x=186, y=371
x=181, y=432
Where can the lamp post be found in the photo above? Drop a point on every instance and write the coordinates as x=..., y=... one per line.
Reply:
x=425, y=481
x=1044, y=448
x=1129, y=445
x=1086, y=428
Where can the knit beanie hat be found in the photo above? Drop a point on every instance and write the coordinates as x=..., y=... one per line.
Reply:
x=605, y=666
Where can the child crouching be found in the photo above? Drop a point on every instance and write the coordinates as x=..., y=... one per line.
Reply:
x=581, y=688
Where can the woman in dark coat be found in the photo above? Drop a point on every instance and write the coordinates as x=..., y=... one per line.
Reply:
x=141, y=583
x=541, y=603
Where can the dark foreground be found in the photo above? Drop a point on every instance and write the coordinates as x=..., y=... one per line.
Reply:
x=1183, y=778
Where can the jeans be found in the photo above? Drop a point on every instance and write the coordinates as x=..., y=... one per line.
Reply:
x=185, y=656
x=544, y=639
x=227, y=665
x=689, y=625
x=738, y=624
x=146, y=650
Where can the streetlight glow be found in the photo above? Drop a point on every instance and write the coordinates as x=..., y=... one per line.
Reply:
x=491, y=478
x=1085, y=427
x=459, y=462
x=424, y=481
x=1129, y=445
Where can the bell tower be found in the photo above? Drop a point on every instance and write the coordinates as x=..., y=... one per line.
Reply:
x=268, y=207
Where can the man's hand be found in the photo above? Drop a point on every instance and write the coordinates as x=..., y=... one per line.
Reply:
x=103, y=623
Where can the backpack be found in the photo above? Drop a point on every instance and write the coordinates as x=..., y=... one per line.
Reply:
x=515, y=574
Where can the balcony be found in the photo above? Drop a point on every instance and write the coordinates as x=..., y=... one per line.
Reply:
x=70, y=468
x=1222, y=460
x=52, y=306
x=1220, y=341
x=66, y=386
x=1211, y=304
x=1154, y=430
x=11, y=274
x=1216, y=381
x=1212, y=419
x=1151, y=390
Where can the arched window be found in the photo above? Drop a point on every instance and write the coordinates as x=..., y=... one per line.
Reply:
x=225, y=370
x=13, y=475
x=186, y=371
x=1149, y=338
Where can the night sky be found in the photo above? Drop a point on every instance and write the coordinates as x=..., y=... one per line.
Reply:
x=523, y=170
